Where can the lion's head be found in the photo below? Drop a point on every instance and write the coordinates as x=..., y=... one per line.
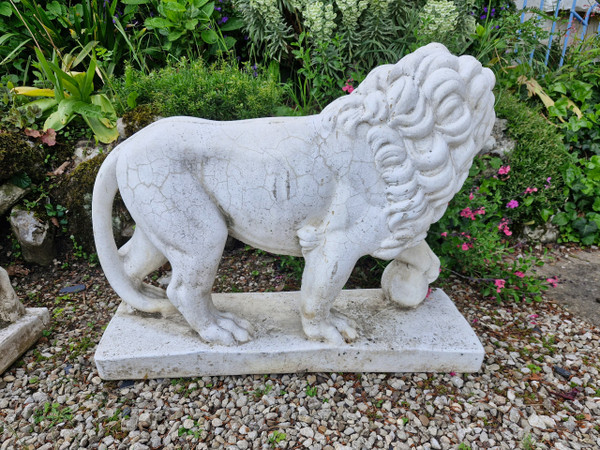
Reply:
x=424, y=119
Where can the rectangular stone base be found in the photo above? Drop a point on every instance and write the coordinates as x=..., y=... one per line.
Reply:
x=16, y=338
x=434, y=337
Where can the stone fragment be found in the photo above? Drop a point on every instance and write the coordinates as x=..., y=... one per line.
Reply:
x=537, y=421
x=36, y=237
x=19, y=327
x=9, y=196
x=10, y=306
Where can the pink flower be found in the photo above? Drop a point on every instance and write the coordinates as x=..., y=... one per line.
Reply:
x=471, y=214
x=512, y=204
x=452, y=374
x=519, y=274
x=530, y=190
x=467, y=213
x=533, y=316
x=466, y=246
x=348, y=88
x=499, y=285
x=552, y=281
x=503, y=226
x=503, y=170
x=471, y=196
x=444, y=234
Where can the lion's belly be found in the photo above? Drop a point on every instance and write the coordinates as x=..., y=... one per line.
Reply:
x=265, y=201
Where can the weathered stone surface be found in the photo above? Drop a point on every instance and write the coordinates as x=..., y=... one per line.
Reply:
x=498, y=143
x=36, y=237
x=17, y=337
x=9, y=196
x=10, y=306
x=367, y=176
x=432, y=338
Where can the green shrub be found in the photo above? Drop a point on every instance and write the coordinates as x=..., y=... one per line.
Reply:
x=219, y=92
x=537, y=162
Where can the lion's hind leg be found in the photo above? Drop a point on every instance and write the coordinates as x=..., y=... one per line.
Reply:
x=190, y=291
x=140, y=258
x=190, y=231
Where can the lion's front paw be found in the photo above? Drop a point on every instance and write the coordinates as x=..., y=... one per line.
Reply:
x=225, y=329
x=336, y=329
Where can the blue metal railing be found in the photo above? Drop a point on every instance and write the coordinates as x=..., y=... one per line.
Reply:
x=585, y=21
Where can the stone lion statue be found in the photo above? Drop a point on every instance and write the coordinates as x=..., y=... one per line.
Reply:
x=366, y=176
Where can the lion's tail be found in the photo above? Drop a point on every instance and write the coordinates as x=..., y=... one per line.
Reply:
x=105, y=189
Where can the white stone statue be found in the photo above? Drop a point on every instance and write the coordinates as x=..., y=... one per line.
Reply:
x=367, y=176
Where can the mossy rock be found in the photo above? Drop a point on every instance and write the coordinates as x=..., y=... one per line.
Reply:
x=75, y=194
x=138, y=118
x=18, y=156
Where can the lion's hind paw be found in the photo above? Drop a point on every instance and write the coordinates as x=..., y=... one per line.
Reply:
x=226, y=329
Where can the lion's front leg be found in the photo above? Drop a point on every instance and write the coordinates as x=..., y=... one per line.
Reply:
x=406, y=279
x=328, y=267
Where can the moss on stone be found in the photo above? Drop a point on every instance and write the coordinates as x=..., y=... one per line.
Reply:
x=75, y=194
x=17, y=156
x=138, y=118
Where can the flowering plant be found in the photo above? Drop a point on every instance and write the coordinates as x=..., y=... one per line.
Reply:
x=474, y=239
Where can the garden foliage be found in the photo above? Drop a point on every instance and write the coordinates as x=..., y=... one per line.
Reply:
x=220, y=91
x=86, y=62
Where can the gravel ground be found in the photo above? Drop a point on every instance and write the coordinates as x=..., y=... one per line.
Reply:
x=538, y=387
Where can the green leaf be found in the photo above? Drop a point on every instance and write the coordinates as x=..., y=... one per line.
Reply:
x=62, y=116
x=528, y=201
x=561, y=219
x=173, y=6
x=191, y=24
x=209, y=36
x=208, y=9
x=589, y=240
x=45, y=104
x=21, y=180
x=135, y=2
x=132, y=99
x=546, y=214
x=87, y=109
x=105, y=105
x=54, y=8
x=559, y=87
x=105, y=134
x=232, y=24
x=174, y=35
x=5, y=9
x=158, y=22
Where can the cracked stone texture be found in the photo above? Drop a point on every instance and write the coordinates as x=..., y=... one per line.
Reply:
x=367, y=176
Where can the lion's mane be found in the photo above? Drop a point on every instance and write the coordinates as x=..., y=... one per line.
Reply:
x=424, y=120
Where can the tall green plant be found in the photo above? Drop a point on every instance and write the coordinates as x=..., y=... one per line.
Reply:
x=71, y=96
